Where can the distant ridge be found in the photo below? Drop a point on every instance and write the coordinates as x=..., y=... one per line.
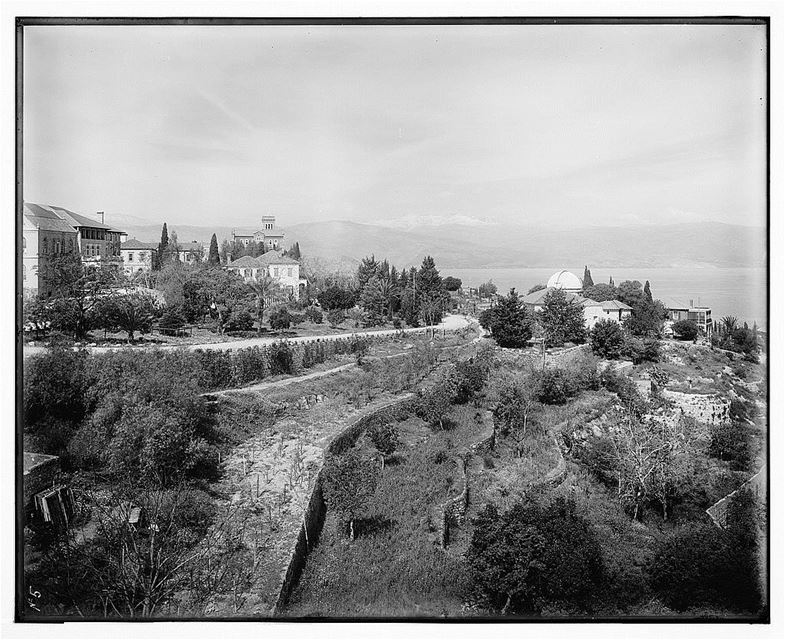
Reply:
x=453, y=245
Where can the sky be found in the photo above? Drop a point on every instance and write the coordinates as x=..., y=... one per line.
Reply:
x=515, y=124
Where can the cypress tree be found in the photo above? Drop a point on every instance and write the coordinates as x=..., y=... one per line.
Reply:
x=213, y=257
x=647, y=290
x=587, y=279
x=610, y=282
x=163, y=245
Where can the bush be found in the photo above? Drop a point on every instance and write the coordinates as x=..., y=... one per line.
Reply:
x=312, y=314
x=555, y=386
x=280, y=319
x=685, y=330
x=641, y=350
x=607, y=339
x=281, y=361
x=239, y=321
x=433, y=405
x=385, y=438
x=731, y=441
x=296, y=318
x=470, y=379
x=534, y=556
x=172, y=318
x=335, y=317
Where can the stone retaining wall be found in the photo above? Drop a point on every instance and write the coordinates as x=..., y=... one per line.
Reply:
x=316, y=511
x=705, y=408
x=718, y=512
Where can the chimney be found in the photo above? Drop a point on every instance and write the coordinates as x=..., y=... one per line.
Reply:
x=101, y=213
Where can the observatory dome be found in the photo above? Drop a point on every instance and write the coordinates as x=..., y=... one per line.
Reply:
x=565, y=280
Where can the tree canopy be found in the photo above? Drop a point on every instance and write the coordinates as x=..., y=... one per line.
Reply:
x=508, y=321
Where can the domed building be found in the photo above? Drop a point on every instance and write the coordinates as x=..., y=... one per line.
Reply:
x=566, y=281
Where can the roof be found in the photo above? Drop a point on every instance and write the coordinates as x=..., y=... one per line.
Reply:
x=537, y=298
x=679, y=303
x=78, y=220
x=565, y=280
x=45, y=219
x=191, y=246
x=614, y=305
x=270, y=258
x=133, y=243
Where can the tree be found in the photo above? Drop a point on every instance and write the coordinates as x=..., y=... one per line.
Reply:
x=561, y=319
x=646, y=319
x=368, y=269
x=600, y=292
x=610, y=282
x=163, y=247
x=129, y=312
x=76, y=289
x=516, y=402
x=373, y=302
x=452, y=284
x=486, y=289
x=350, y=481
x=228, y=293
x=432, y=308
x=647, y=291
x=685, y=329
x=532, y=556
x=607, y=339
x=508, y=322
x=213, y=258
x=536, y=287
x=264, y=288
x=336, y=298
x=587, y=279
x=433, y=405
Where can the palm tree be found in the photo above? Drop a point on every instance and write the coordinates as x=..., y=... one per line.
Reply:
x=264, y=287
x=729, y=323
x=389, y=290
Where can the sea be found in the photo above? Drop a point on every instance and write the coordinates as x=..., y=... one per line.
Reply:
x=739, y=292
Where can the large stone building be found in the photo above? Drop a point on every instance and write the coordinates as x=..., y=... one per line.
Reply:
x=282, y=268
x=268, y=236
x=48, y=231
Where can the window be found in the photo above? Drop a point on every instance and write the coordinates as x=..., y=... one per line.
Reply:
x=275, y=272
x=46, y=245
x=131, y=257
x=289, y=272
x=24, y=272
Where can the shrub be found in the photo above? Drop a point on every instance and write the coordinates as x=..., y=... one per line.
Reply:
x=730, y=441
x=312, y=314
x=239, y=320
x=350, y=481
x=281, y=361
x=296, y=318
x=470, y=379
x=554, y=386
x=534, y=556
x=742, y=410
x=685, y=329
x=385, y=438
x=280, y=319
x=641, y=350
x=607, y=339
x=433, y=405
x=508, y=322
x=172, y=318
x=335, y=317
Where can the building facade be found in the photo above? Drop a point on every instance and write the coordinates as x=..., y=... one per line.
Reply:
x=190, y=252
x=98, y=242
x=281, y=268
x=268, y=236
x=44, y=234
x=138, y=257
x=688, y=310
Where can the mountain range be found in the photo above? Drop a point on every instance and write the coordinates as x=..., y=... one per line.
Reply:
x=457, y=243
